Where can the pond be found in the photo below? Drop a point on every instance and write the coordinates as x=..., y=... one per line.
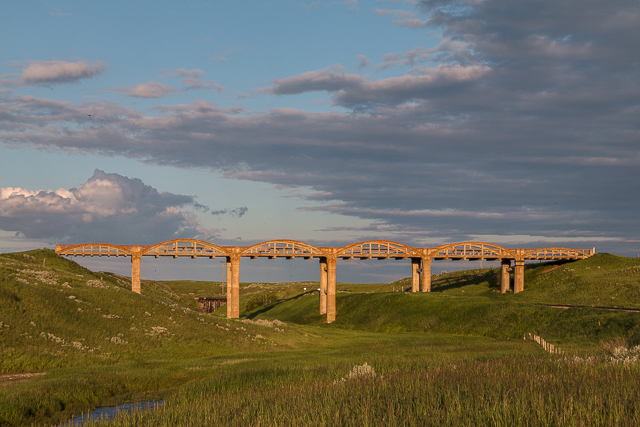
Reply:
x=108, y=412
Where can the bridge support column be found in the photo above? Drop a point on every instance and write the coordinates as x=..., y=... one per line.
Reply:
x=228, y=276
x=135, y=273
x=505, y=280
x=331, y=289
x=518, y=282
x=233, y=287
x=415, y=274
x=323, y=285
x=426, y=275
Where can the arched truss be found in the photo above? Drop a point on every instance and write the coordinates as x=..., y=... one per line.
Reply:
x=380, y=249
x=557, y=253
x=184, y=247
x=282, y=248
x=93, y=249
x=470, y=251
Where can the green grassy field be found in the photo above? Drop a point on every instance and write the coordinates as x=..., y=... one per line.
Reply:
x=455, y=356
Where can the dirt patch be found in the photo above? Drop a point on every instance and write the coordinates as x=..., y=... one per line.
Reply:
x=8, y=379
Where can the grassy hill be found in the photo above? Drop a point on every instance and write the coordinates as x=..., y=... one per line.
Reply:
x=469, y=302
x=93, y=342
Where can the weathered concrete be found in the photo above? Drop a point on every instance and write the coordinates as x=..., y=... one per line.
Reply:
x=518, y=281
x=136, y=258
x=135, y=273
x=415, y=274
x=331, y=289
x=505, y=280
x=229, y=281
x=233, y=295
x=426, y=275
x=228, y=276
x=323, y=286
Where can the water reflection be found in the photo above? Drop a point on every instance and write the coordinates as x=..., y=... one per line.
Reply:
x=108, y=412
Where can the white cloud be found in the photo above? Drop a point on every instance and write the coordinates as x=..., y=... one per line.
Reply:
x=147, y=90
x=107, y=208
x=52, y=72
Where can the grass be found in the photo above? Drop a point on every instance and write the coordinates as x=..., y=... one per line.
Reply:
x=453, y=356
x=501, y=392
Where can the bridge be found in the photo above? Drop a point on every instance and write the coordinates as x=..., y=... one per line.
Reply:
x=421, y=259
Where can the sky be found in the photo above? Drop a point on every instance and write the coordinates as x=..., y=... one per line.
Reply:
x=328, y=122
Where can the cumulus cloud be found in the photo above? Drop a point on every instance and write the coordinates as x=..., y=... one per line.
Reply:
x=53, y=72
x=108, y=208
x=147, y=90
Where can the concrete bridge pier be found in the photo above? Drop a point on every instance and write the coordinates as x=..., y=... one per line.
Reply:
x=518, y=282
x=136, y=260
x=323, y=285
x=331, y=289
x=505, y=280
x=233, y=286
x=415, y=274
x=426, y=275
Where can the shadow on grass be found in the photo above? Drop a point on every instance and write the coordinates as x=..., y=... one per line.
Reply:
x=265, y=308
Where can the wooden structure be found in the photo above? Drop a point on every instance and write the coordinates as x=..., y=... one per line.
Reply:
x=421, y=259
x=210, y=304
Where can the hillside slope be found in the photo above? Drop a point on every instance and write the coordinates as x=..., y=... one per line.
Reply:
x=468, y=302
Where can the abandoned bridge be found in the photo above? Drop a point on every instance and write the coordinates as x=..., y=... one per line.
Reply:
x=421, y=259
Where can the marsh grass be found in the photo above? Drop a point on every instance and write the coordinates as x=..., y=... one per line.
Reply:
x=501, y=392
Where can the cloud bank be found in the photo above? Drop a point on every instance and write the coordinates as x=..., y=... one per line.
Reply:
x=108, y=208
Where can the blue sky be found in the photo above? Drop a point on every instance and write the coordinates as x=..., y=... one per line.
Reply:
x=328, y=122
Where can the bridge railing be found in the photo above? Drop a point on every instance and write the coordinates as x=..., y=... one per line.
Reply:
x=471, y=251
x=282, y=248
x=558, y=253
x=382, y=250
x=91, y=249
x=184, y=248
